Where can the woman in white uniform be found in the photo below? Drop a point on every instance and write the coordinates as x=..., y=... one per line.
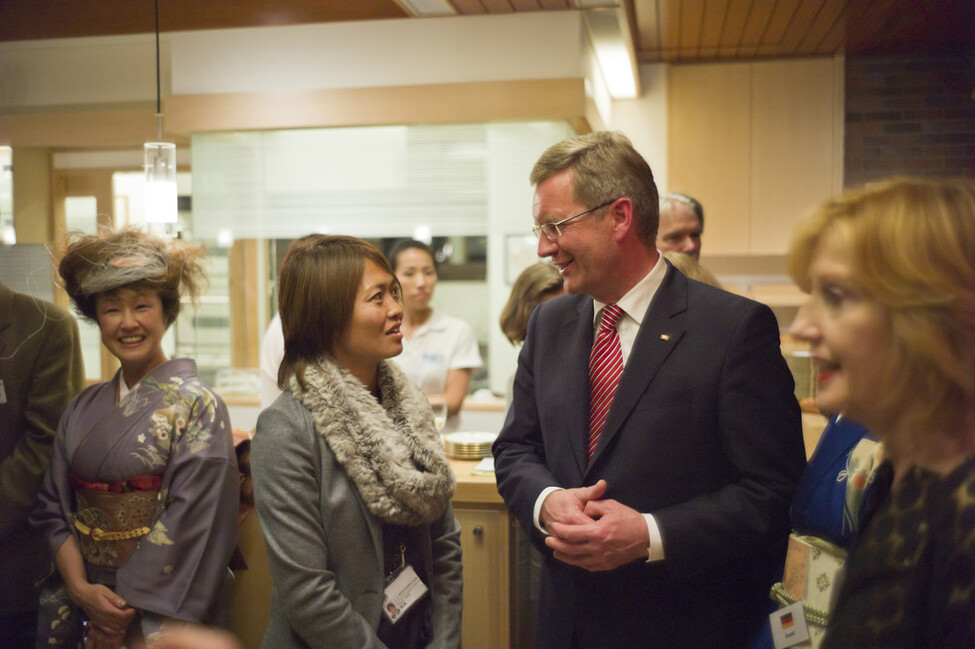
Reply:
x=439, y=351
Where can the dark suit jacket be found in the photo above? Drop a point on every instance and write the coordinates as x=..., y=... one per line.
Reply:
x=41, y=370
x=704, y=432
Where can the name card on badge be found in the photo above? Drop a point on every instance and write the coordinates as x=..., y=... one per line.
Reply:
x=789, y=626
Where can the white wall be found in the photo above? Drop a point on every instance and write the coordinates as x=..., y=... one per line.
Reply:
x=118, y=70
x=509, y=216
x=109, y=70
x=644, y=120
x=378, y=53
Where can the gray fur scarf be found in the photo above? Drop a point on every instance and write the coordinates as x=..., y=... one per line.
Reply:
x=391, y=450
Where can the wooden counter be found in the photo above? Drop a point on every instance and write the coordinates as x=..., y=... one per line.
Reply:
x=474, y=488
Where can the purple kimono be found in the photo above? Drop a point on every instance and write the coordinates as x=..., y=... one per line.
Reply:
x=169, y=425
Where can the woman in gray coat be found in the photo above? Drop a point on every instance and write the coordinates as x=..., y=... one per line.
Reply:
x=352, y=486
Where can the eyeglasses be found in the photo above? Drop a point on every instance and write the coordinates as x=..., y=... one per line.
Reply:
x=553, y=231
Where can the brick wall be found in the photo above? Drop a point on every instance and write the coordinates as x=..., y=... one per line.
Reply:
x=912, y=115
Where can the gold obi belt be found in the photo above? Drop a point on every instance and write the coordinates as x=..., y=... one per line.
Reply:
x=113, y=517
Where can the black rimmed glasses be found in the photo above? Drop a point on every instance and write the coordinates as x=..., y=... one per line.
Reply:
x=553, y=231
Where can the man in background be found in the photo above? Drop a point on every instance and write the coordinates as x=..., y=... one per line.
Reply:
x=681, y=224
x=653, y=441
x=41, y=369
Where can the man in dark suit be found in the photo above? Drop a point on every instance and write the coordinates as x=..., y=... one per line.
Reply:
x=663, y=520
x=40, y=371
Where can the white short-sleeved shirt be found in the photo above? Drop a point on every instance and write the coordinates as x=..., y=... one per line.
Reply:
x=272, y=351
x=442, y=344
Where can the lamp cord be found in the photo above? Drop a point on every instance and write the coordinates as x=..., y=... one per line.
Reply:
x=158, y=90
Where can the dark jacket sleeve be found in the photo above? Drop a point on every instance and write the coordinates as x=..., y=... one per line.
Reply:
x=760, y=432
x=446, y=581
x=39, y=380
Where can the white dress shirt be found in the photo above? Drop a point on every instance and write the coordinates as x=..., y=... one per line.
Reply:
x=634, y=305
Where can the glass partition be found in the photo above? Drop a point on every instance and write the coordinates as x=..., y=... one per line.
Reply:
x=464, y=187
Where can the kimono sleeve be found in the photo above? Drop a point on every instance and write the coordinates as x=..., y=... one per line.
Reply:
x=51, y=518
x=180, y=566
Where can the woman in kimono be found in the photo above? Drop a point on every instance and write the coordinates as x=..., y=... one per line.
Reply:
x=890, y=270
x=352, y=486
x=139, y=505
x=830, y=502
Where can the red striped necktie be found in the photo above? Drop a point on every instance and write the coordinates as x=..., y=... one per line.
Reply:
x=605, y=368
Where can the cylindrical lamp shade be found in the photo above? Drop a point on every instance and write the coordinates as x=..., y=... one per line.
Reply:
x=160, y=182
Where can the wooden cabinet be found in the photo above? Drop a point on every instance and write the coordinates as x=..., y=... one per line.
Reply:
x=487, y=542
x=249, y=604
x=759, y=144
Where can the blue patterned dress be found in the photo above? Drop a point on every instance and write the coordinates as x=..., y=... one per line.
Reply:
x=828, y=504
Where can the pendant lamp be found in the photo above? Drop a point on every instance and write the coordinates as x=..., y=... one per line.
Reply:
x=160, y=163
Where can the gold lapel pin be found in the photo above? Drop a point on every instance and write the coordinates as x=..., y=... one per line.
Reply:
x=664, y=337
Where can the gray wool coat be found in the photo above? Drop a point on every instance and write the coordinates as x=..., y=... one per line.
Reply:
x=325, y=547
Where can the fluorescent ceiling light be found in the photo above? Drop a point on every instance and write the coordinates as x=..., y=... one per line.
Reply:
x=427, y=7
x=615, y=59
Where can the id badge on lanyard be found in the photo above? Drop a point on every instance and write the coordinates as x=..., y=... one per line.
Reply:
x=404, y=588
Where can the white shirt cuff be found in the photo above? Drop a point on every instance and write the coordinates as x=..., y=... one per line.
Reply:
x=536, y=512
x=656, y=541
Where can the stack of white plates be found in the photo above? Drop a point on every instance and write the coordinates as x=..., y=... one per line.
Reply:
x=468, y=446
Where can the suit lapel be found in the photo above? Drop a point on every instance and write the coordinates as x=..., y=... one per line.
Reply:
x=573, y=378
x=663, y=326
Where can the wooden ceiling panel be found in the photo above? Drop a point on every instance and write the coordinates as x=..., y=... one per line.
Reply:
x=806, y=14
x=789, y=28
x=668, y=26
x=812, y=40
x=525, y=5
x=691, y=19
x=468, y=7
x=778, y=24
x=759, y=19
x=866, y=23
x=662, y=30
x=833, y=39
x=646, y=19
x=711, y=28
x=555, y=5
x=734, y=27
x=498, y=6
x=34, y=19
